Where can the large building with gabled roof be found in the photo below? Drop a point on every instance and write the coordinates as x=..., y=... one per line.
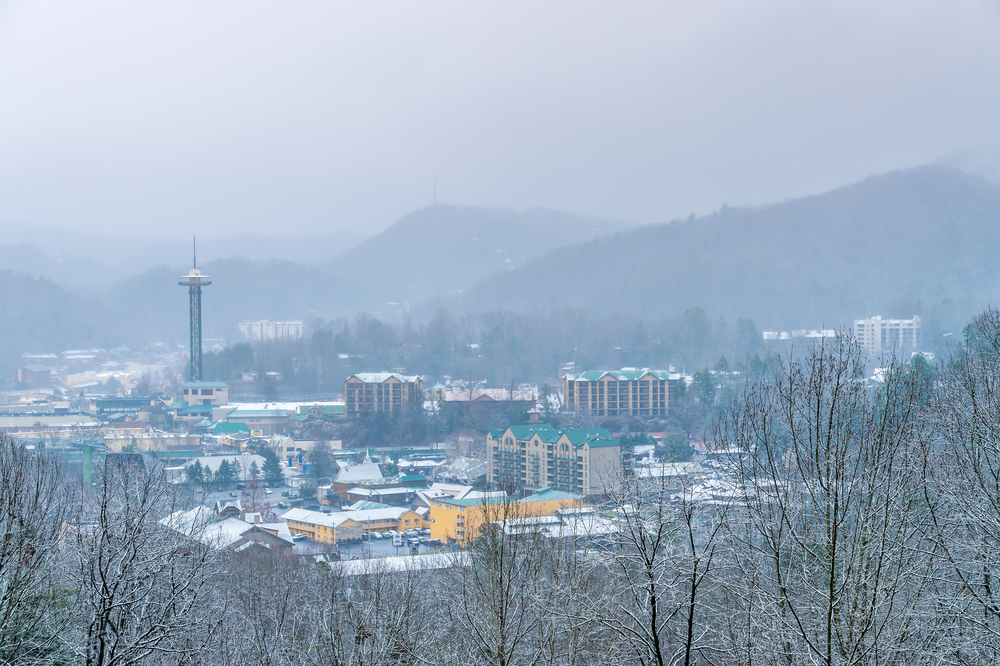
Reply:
x=370, y=392
x=629, y=391
x=531, y=457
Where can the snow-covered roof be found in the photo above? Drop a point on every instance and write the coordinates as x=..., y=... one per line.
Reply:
x=355, y=473
x=202, y=523
x=318, y=517
x=377, y=565
x=379, y=377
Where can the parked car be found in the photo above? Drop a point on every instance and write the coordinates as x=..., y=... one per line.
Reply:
x=312, y=507
x=284, y=493
x=267, y=490
x=241, y=486
x=298, y=537
x=282, y=505
x=234, y=495
x=376, y=535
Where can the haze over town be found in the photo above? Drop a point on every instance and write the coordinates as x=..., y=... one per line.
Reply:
x=562, y=333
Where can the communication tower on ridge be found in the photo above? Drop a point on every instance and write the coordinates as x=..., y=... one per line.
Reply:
x=194, y=281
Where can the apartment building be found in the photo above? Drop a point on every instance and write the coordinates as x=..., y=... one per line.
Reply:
x=369, y=392
x=205, y=393
x=878, y=336
x=618, y=392
x=271, y=330
x=531, y=457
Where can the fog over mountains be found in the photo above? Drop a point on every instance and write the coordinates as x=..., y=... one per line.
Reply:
x=441, y=251
x=920, y=241
x=891, y=244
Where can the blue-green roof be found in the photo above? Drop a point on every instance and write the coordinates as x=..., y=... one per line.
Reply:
x=594, y=437
x=226, y=428
x=548, y=495
x=362, y=505
x=195, y=409
x=256, y=413
x=600, y=442
x=410, y=478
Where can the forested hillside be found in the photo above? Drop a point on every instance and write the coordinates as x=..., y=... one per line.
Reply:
x=37, y=315
x=443, y=250
x=903, y=243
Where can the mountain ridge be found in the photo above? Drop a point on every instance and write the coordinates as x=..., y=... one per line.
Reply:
x=808, y=261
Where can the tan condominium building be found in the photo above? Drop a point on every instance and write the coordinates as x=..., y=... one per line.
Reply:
x=618, y=392
x=531, y=457
x=878, y=336
x=369, y=392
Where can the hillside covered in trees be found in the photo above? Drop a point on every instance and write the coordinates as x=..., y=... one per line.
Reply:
x=903, y=243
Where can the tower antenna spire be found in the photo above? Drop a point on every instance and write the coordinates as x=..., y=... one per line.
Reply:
x=194, y=281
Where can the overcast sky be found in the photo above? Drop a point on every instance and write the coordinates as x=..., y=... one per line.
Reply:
x=161, y=119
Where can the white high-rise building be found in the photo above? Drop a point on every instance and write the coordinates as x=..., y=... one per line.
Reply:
x=884, y=336
x=271, y=330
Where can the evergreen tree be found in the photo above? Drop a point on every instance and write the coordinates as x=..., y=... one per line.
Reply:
x=226, y=474
x=195, y=472
x=273, y=473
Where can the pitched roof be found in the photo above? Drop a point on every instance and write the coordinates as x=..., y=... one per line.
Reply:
x=379, y=377
x=548, y=495
x=226, y=428
x=317, y=517
x=595, y=437
x=353, y=473
x=193, y=409
x=205, y=385
x=625, y=374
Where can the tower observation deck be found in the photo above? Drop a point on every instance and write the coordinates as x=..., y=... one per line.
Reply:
x=194, y=281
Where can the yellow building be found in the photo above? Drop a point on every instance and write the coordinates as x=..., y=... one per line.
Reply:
x=461, y=519
x=388, y=518
x=368, y=392
x=618, y=392
x=350, y=525
x=531, y=457
x=323, y=527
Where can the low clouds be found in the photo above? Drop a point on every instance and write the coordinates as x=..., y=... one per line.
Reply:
x=164, y=119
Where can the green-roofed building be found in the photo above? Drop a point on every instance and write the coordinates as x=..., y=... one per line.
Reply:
x=631, y=391
x=220, y=428
x=535, y=456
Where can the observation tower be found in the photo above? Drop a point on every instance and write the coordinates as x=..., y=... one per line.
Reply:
x=194, y=281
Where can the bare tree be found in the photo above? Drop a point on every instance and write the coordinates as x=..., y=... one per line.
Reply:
x=662, y=566
x=492, y=595
x=376, y=613
x=961, y=475
x=141, y=586
x=830, y=552
x=32, y=510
